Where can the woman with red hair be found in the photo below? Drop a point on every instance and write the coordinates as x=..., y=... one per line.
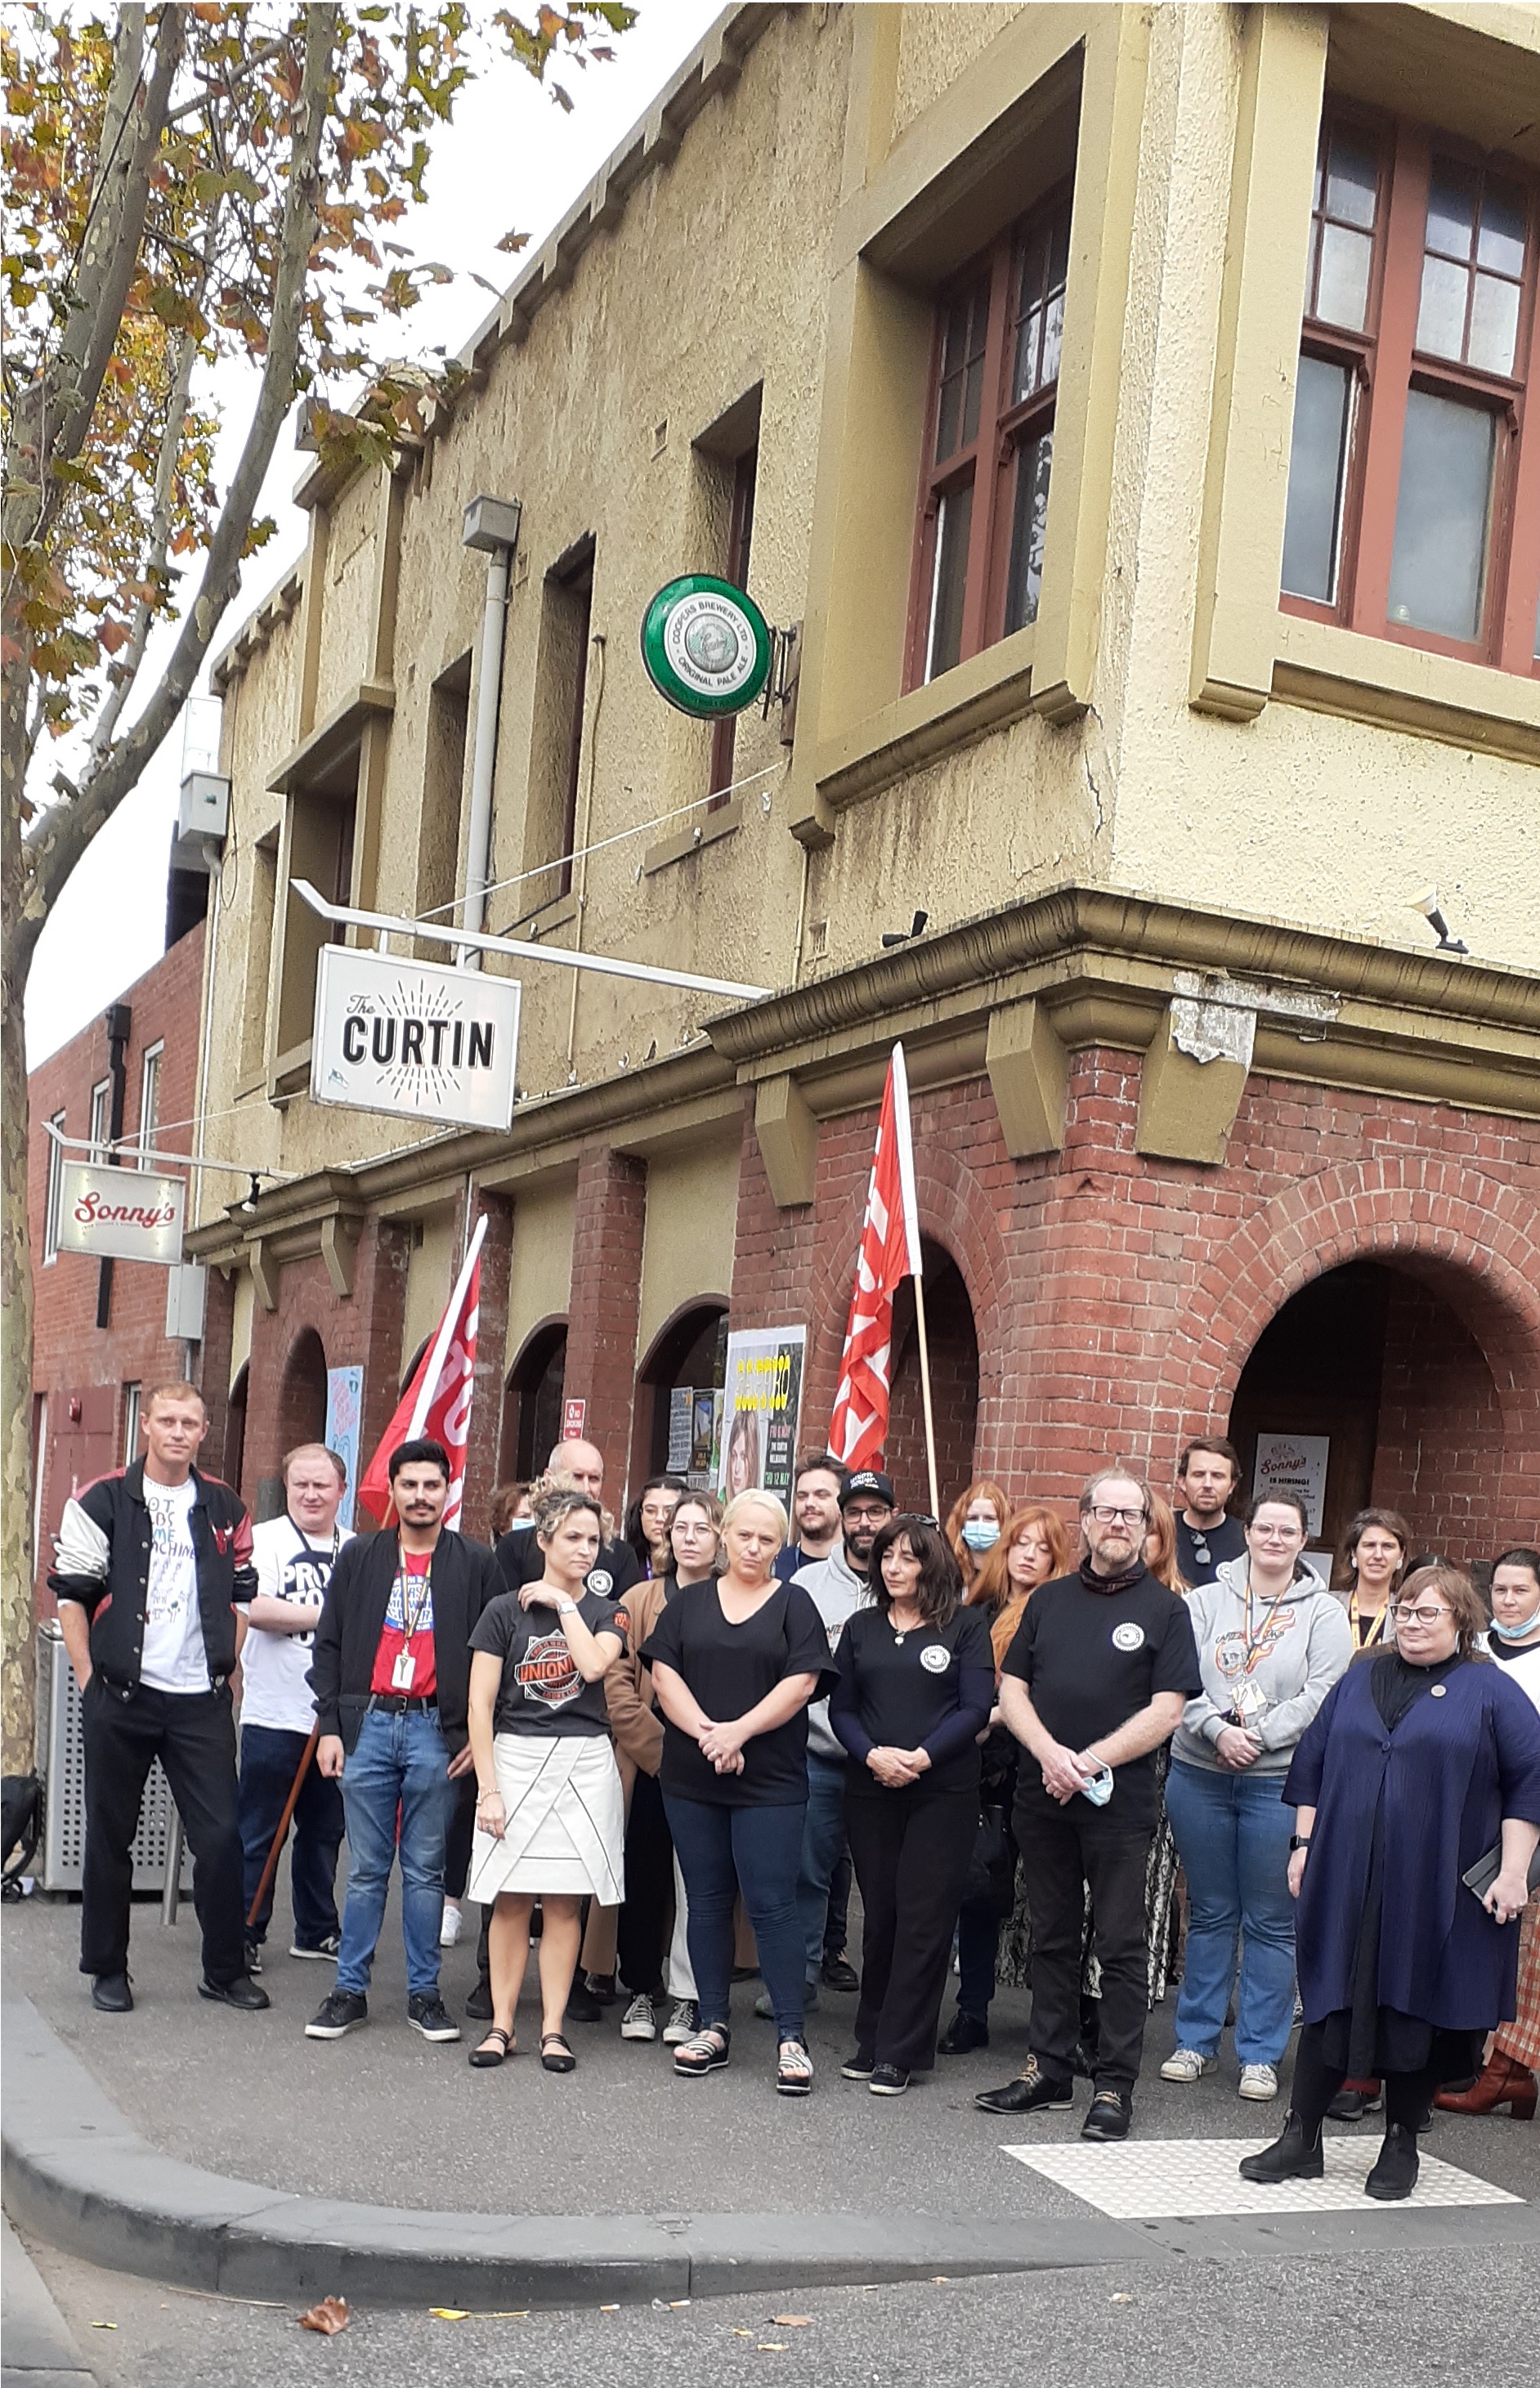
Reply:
x=974, y=1524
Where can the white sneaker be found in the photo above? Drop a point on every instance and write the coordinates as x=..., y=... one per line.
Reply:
x=449, y=1930
x=1186, y=2064
x=682, y=2024
x=1259, y=2081
x=639, y=2022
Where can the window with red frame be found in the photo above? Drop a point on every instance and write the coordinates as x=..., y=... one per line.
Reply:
x=989, y=445
x=1414, y=497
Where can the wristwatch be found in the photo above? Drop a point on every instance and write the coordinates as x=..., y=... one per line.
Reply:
x=1298, y=1841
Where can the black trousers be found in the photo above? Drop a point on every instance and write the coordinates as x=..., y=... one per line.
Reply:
x=642, y=1929
x=1063, y=1848
x=1408, y=2095
x=911, y=1850
x=193, y=1734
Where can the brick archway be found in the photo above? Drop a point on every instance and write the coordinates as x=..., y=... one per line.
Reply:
x=1468, y=1238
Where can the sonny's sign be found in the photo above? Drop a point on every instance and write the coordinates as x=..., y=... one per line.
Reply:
x=124, y=1214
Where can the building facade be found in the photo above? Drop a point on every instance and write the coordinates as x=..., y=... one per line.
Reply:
x=99, y=1338
x=1103, y=402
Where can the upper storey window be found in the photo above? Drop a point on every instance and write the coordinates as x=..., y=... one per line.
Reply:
x=989, y=453
x=1414, y=509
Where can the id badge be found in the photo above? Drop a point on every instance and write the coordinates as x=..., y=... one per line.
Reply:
x=403, y=1672
x=1250, y=1700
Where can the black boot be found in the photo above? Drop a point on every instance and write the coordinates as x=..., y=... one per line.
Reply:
x=1395, y=2175
x=1291, y=2157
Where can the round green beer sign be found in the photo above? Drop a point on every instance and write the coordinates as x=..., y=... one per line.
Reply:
x=706, y=645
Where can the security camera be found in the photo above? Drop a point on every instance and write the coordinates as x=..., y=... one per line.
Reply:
x=1433, y=912
x=901, y=936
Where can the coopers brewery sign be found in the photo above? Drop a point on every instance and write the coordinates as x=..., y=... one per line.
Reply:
x=413, y=1039
x=122, y=1214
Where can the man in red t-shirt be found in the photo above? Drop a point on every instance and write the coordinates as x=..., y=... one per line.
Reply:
x=390, y=1676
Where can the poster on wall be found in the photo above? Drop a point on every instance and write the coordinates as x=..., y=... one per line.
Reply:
x=1296, y=1463
x=344, y=1416
x=694, y=1434
x=761, y=1406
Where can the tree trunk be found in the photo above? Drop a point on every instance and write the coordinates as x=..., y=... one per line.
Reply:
x=18, y=1641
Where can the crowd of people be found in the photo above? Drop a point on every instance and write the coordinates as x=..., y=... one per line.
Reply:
x=658, y=1754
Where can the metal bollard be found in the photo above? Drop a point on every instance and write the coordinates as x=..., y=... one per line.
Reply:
x=171, y=1895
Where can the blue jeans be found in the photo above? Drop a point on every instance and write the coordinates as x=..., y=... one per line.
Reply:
x=823, y=1835
x=398, y=1763
x=758, y=1850
x=1232, y=1835
x=270, y=1760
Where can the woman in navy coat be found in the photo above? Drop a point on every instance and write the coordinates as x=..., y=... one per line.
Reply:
x=1419, y=1760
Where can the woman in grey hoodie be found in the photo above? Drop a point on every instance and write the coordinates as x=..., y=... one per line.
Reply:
x=1272, y=1641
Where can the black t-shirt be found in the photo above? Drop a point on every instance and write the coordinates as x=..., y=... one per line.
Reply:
x=1201, y=1551
x=522, y=1561
x=731, y=1669
x=1091, y=1661
x=931, y=1686
x=541, y=1690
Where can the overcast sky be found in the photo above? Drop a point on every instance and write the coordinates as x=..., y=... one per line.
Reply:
x=511, y=159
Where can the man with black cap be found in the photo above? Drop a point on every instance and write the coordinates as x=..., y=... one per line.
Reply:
x=838, y=1585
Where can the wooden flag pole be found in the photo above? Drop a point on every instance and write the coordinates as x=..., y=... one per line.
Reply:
x=283, y=1822
x=925, y=1392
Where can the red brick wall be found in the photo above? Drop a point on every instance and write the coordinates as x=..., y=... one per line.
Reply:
x=72, y=1357
x=1117, y=1298
x=1440, y=1428
x=609, y=1216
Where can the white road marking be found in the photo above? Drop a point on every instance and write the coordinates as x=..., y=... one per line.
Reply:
x=1157, y=2179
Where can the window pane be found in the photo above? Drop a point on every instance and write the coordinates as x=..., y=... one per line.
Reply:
x=947, y=416
x=1441, y=316
x=1033, y=465
x=1352, y=180
x=1438, y=570
x=1317, y=459
x=1341, y=294
x=973, y=391
x=1501, y=242
x=1451, y=210
x=1053, y=340
x=945, y=645
x=1494, y=324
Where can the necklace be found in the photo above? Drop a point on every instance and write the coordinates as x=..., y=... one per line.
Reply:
x=899, y=1631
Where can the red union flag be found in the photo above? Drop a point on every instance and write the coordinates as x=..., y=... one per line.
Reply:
x=437, y=1401
x=889, y=1252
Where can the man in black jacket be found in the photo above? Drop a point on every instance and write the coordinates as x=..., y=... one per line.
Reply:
x=390, y=1674
x=617, y=1567
x=152, y=1573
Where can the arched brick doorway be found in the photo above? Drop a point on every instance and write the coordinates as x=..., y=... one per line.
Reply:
x=234, y=1426
x=690, y=1353
x=953, y=1339
x=1373, y=1362
x=301, y=1411
x=532, y=1403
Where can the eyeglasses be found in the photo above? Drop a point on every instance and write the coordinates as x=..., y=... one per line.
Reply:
x=861, y=1515
x=1105, y=1516
x=1422, y=1616
x=1276, y=1534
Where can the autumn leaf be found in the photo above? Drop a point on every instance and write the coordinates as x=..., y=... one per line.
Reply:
x=327, y=2318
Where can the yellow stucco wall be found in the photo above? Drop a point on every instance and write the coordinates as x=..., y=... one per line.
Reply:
x=539, y=1276
x=429, y=1277
x=687, y=1245
x=732, y=265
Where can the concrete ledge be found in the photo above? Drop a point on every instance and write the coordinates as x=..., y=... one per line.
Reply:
x=78, y=2176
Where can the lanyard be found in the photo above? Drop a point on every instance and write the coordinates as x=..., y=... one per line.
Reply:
x=413, y=1612
x=1377, y=1628
x=1255, y=1641
x=309, y=1547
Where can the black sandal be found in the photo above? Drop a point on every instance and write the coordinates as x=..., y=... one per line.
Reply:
x=484, y=2056
x=562, y=2063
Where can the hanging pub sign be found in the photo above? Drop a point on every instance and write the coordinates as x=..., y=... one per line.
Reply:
x=706, y=645
x=120, y=1214
x=413, y=1039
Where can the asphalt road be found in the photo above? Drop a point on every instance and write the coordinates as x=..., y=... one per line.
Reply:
x=1384, y=2321
x=384, y=2119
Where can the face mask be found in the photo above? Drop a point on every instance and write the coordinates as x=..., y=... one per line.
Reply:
x=981, y=1533
x=520, y=1525
x=1517, y=1632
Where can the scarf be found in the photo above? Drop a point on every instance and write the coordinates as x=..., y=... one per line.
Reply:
x=1110, y=1583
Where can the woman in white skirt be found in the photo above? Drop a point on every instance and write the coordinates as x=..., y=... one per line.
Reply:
x=549, y=1817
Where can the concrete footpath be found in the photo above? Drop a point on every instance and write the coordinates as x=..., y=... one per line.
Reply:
x=77, y=2175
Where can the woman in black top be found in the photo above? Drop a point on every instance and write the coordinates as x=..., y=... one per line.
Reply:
x=916, y=1685
x=550, y=1816
x=735, y=1663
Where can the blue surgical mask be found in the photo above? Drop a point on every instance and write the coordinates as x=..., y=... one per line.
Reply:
x=981, y=1533
x=1516, y=1632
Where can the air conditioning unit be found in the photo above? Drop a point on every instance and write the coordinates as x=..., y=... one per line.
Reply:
x=61, y=1763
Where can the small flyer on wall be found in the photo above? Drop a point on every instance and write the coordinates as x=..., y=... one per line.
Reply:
x=1293, y=1463
x=694, y=1429
x=761, y=1407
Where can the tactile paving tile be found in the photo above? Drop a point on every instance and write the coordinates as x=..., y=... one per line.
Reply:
x=1158, y=2179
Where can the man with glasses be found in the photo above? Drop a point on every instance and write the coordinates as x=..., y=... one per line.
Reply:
x=838, y=1586
x=1095, y=1682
